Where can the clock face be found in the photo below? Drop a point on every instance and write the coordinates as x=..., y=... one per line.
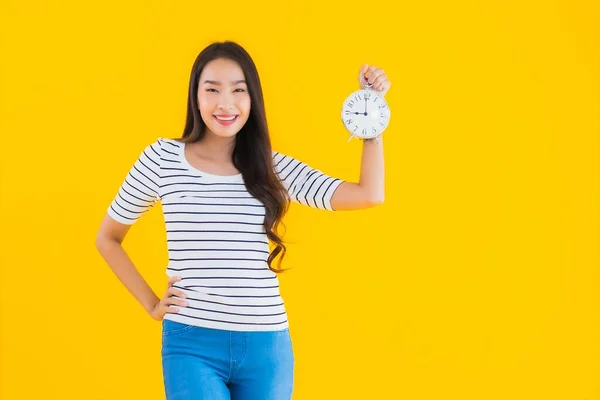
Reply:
x=365, y=113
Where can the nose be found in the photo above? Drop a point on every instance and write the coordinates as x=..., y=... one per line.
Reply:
x=226, y=101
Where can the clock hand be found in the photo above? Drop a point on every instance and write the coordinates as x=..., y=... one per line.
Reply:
x=366, y=106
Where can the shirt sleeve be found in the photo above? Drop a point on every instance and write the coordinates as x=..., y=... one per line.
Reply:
x=305, y=185
x=141, y=188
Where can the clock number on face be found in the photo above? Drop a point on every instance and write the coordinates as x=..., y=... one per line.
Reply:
x=365, y=114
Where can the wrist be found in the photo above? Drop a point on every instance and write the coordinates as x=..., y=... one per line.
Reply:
x=376, y=139
x=149, y=307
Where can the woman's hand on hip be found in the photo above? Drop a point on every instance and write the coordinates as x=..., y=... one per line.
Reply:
x=169, y=298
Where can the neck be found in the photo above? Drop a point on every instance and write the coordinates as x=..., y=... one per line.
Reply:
x=215, y=147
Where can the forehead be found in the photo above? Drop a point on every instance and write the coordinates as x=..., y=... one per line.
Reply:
x=222, y=70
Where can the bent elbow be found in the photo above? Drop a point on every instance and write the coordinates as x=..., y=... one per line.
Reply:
x=100, y=242
x=376, y=200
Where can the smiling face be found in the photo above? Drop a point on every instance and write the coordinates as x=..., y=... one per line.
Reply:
x=223, y=97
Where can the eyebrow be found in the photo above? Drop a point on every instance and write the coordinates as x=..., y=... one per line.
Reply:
x=218, y=83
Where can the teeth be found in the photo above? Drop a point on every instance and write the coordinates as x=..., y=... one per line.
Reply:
x=226, y=119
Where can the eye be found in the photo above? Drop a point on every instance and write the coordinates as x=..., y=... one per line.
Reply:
x=208, y=90
x=240, y=89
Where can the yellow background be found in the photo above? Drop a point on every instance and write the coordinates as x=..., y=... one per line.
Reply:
x=478, y=278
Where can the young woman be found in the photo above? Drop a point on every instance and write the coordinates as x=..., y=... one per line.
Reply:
x=224, y=191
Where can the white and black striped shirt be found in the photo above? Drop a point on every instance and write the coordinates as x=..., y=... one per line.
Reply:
x=215, y=235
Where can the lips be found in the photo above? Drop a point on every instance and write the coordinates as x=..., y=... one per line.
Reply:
x=226, y=119
x=225, y=115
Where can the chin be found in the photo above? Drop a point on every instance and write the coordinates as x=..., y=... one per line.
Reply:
x=224, y=133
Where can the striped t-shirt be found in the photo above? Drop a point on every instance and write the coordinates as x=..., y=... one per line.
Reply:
x=215, y=235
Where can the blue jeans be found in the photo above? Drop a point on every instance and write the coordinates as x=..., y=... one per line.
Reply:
x=212, y=364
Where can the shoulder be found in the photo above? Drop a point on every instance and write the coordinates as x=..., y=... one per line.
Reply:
x=156, y=152
x=162, y=147
x=167, y=143
x=283, y=161
x=275, y=154
x=279, y=156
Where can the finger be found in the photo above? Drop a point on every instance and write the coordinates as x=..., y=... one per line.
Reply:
x=363, y=70
x=385, y=86
x=172, y=280
x=176, y=292
x=379, y=80
x=176, y=301
x=374, y=75
x=370, y=71
x=165, y=306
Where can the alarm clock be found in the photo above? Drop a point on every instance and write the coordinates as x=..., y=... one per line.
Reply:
x=365, y=113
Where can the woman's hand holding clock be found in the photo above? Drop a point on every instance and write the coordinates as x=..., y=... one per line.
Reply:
x=368, y=121
x=376, y=77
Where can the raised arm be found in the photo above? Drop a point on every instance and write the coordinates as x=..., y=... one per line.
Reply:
x=369, y=191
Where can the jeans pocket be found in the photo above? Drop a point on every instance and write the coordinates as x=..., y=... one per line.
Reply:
x=173, y=328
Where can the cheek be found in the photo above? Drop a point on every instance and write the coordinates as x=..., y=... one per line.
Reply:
x=244, y=105
x=206, y=108
x=204, y=103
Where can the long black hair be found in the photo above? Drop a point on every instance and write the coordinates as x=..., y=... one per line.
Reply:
x=252, y=154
